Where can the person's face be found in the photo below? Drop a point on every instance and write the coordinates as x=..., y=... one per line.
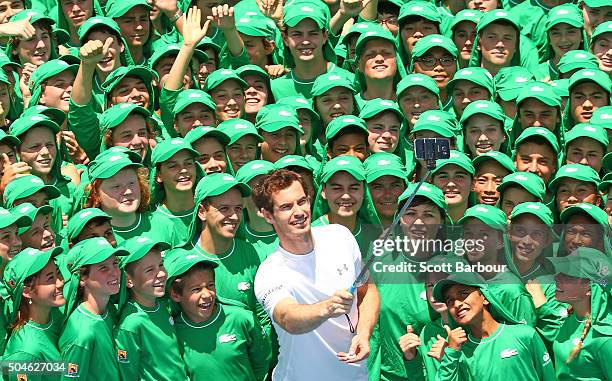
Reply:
x=257, y=49
x=489, y=175
x=178, y=173
x=98, y=228
x=135, y=26
x=5, y=99
x=529, y=236
x=464, y=303
x=278, y=144
x=585, y=151
x=37, y=199
x=482, y=5
x=571, y=192
x=256, y=95
x=335, y=102
x=466, y=92
x=192, y=116
x=602, y=48
x=147, y=276
x=305, y=119
x=378, y=59
x=131, y=90
x=595, y=16
x=570, y=289
x=582, y=231
x=536, y=158
x=438, y=64
x=385, y=191
x=9, y=8
x=384, y=131
x=229, y=98
x=416, y=101
x=10, y=243
x=421, y=222
x=10, y=153
x=40, y=235
x=431, y=280
x=585, y=98
x=36, y=50
x=497, y=43
x=491, y=240
x=414, y=29
x=132, y=133
x=242, y=151
x=120, y=194
x=290, y=213
x=47, y=290
x=38, y=150
x=212, y=155
x=103, y=278
x=205, y=68
x=163, y=67
x=351, y=144
x=512, y=196
x=389, y=22
x=305, y=41
x=563, y=38
x=344, y=195
x=197, y=300
x=464, y=35
x=608, y=207
x=223, y=214
x=77, y=11
x=483, y=134
x=535, y=113
x=456, y=184
x=509, y=107
x=112, y=60
x=57, y=90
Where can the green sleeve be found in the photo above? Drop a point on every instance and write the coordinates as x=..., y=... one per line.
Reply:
x=548, y=317
x=167, y=100
x=541, y=359
x=86, y=126
x=233, y=62
x=127, y=341
x=449, y=367
x=604, y=354
x=79, y=356
x=259, y=349
x=26, y=357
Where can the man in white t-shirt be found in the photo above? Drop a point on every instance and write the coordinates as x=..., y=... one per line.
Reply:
x=303, y=287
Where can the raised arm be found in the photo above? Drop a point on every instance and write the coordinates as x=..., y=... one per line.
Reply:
x=223, y=18
x=92, y=52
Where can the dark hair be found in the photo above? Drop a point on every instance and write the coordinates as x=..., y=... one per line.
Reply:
x=273, y=183
x=177, y=284
x=23, y=314
x=537, y=140
x=502, y=23
x=388, y=7
x=83, y=271
x=348, y=131
x=415, y=18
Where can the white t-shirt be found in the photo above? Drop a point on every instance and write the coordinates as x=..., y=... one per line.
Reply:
x=334, y=264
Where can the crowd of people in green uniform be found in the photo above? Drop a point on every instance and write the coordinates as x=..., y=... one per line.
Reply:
x=190, y=187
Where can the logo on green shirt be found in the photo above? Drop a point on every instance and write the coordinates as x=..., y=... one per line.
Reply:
x=507, y=353
x=227, y=338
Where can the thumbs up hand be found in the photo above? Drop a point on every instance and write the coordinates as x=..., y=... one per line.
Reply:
x=409, y=343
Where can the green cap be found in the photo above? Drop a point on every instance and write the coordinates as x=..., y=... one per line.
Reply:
x=585, y=263
x=256, y=26
x=494, y=16
x=509, y=81
x=338, y=124
x=604, y=185
x=55, y=114
x=8, y=218
x=376, y=33
x=607, y=161
x=293, y=161
x=119, y=150
x=4, y=78
x=412, y=80
x=326, y=82
x=216, y=184
x=138, y=247
x=419, y=8
x=501, y=158
x=588, y=130
x=191, y=96
x=596, y=3
x=489, y=108
x=94, y=22
x=602, y=117
x=424, y=44
x=349, y=164
x=531, y=182
x=358, y=28
x=168, y=148
x=579, y=172
x=298, y=12
x=274, y=117
x=25, y=123
x=118, y=8
x=604, y=27
x=468, y=279
x=253, y=169
x=237, y=128
x=565, y=14
x=117, y=114
x=561, y=87
x=457, y=158
x=476, y=75
x=106, y=166
x=77, y=222
x=427, y=190
x=178, y=261
x=199, y=132
x=91, y=251
x=163, y=48
x=541, y=91
x=35, y=15
x=541, y=132
x=217, y=77
x=597, y=214
x=538, y=209
x=24, y=186
x=246, y=70
x=591, y=75
x=471, y=15
x=577, y=59
x=384, y=164
x=440, y=122
x=376, y=106
x=489, y=215
x=139, y=71
x=9, y=140
x=30, y=211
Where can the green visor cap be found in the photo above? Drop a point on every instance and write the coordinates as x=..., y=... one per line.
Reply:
x=299, y=103
x=9, y=140
x=24, y=186
x=597, y=214
x=595, y=3
x=489, y=108
x=561, y=87
x=134, y=156
x=275, y=117
x=293, y=161
x=588, y=130
x=475, y=75
x=419, y=8
x=470, y=15
x=169, y=147
x=253, y=169
x=579, y=172
x=338, y=124
x=55, y=114
x=541, y=91
x=604, y=185
x=591, y=75
x=489, y=215
x=349, y=164
x=605, y=27
x=457, y=158
x=178, y=261
x=412, y=80
x=538, y=209
x=163, y=49
x=4, y=78
x=206, y=131
x=565, y=14
x=577, y=59
x=145, y=74
x=358, y=29
x=607, y=161
x=423, y=45
x=25, y=264
x=255, y=26
x=326, y=82
x=188, y=97
x=36, y=16
x=465, y=278
x=602, y=117
x=25, y=123
x=91, y=251
x=510, y=81
x=117, y=114
x=298, y=12
x=542, y=133
x=107, y=166
x=428, y=191
x=377, y=106
x=384, y=164
x=238, y=128
x=246, y=70
x=216, y=184
x=217, y=77
x=376, y=33
x=585, y=263
x=30, y=211
x=138, y=247
x=118, y=8
x=531, y=182
x=437, y=121
x=501, y=158
x=77, y=222
x=496, y=16
x=97, y=22
x=7, y=219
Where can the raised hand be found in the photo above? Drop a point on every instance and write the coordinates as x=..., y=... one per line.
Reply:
x=94, y=51
x=21, y=29
x=437, y=349
x=456, y=337
x=351, y=8
x=24, y=81
x=409, y=343
x=223, y=17
x=193, y=32
x=535, y=289
x=271, y=8
x=275, y=71
x=12, y=171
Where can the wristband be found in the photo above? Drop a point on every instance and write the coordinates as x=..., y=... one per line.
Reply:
x=176, y=16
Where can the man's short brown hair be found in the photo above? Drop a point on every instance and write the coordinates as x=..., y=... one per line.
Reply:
x=274, y=183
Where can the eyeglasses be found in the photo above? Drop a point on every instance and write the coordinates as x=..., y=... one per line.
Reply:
x=430, y=61
x=388, y=20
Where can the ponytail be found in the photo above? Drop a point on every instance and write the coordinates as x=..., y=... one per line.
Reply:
x=587, y=326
